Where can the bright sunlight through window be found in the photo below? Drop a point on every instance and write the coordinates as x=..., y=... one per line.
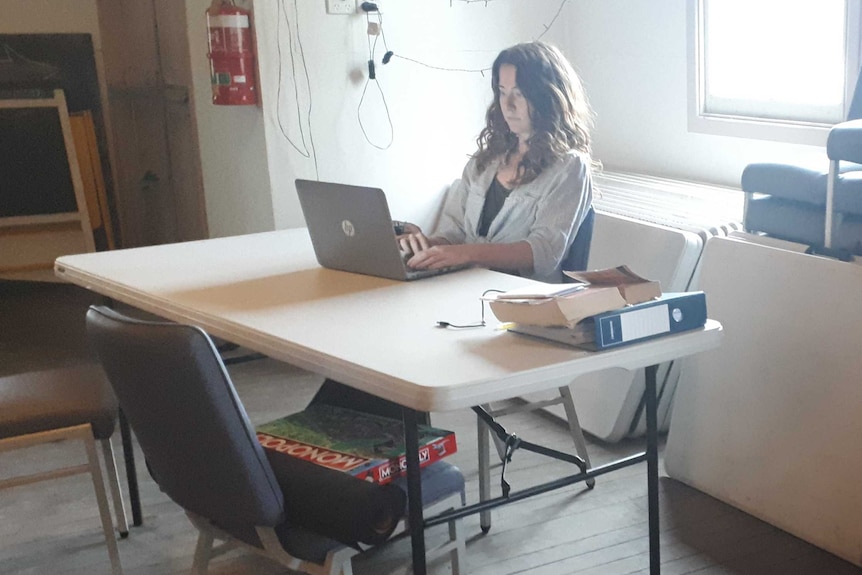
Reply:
x=774, y=59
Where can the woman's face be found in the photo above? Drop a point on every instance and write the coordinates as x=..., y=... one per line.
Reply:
x=515, y=107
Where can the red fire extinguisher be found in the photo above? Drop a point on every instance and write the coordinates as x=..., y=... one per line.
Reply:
x=231, y=54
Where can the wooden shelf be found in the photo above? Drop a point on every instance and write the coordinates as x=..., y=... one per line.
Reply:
x=45, y=219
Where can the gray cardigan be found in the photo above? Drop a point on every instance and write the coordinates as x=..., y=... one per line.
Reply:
x=546, y=213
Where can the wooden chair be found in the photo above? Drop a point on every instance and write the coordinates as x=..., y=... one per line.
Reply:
x=68, y=403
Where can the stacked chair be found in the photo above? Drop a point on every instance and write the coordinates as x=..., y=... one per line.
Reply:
x=820, y=206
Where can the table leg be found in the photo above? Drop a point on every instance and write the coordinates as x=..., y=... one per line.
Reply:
x=652, y=469
x=414, y=490
x=131, y=473
x=484, y=472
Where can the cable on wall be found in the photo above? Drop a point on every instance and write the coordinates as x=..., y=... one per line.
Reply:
x=553, y=20
x=441, y=68
x=307, y=149
x=471, y=2
x=374, y=29
x=375, y=32
x=547, y=28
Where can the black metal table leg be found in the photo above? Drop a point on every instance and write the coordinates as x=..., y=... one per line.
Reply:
x=652, y=469
x=484, y=472
x=414, y=490
x=131, y=473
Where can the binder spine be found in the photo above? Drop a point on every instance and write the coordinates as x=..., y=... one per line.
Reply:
x=670, y=314
x=634, y=325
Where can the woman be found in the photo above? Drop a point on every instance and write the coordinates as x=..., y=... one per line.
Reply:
x=522, y=196
x=526, y=190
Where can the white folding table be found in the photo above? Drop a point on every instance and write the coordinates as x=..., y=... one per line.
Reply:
x=266, y=292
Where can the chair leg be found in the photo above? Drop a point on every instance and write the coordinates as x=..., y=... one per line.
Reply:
x=830, y=203
x=458, y=554
x=114, y=483
x=455, y=548
x=575, y=429
x=102, y=500
x=745, y=208
x=203, y=552
x=484, y=471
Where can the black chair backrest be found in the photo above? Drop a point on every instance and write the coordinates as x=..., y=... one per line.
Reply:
x=855, y=111
x=579, y=252
x=194, y=432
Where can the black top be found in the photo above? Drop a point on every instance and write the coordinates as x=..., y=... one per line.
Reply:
x=494, y=199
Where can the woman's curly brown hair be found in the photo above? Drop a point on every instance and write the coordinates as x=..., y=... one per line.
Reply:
x=559, y=111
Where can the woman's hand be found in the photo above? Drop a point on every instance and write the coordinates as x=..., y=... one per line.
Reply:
x=441, y=256
x=411, y=239
x=515, y=257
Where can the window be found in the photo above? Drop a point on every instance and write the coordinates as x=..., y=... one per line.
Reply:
x=772, y=69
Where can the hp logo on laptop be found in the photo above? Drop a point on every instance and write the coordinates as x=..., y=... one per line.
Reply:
x=347, y=228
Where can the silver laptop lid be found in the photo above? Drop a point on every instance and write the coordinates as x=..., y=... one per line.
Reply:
x=351, y=228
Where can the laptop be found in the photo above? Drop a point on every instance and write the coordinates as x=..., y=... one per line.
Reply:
x=351, y=230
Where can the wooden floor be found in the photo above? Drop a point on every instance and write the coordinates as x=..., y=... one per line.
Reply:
x=54, y=528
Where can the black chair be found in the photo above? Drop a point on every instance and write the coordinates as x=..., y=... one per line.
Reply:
x=579, y=252
x=821, y=208
x=203, y=453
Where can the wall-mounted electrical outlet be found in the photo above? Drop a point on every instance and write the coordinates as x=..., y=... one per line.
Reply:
x=340, y=6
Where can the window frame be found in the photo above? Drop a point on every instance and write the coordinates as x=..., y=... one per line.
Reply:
x=797, y=132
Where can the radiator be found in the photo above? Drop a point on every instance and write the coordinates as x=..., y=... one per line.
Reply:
x=705, y=209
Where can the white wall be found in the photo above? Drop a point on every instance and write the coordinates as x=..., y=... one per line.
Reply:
x=435, y=115
x=632, y=56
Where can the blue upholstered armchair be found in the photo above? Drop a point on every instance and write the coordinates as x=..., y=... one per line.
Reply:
x=818, y=207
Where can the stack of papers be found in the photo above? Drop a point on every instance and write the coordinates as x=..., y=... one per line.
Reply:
x=540, y=291
x=564, y=305
x=634, y=288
